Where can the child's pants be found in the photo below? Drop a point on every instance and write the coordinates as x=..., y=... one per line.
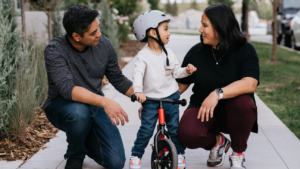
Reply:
x=149, y=119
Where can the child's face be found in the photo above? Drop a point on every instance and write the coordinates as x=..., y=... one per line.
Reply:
x=164, y=33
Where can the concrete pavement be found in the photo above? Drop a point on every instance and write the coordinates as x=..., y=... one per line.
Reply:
x=274, y=147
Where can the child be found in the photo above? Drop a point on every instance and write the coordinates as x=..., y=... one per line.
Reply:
x=154, y=76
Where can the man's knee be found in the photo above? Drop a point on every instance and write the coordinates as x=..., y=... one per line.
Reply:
x=78, y=114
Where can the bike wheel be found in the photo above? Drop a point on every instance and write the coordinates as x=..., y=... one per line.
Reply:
x=164, y=160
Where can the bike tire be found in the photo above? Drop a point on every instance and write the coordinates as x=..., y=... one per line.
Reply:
x=172, y=156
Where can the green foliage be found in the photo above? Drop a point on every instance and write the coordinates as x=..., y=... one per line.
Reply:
x=9, y=50
x=123, y=31
x=56, y=24
x=168, y=7
x=175, y=9
x=154, y=4
x=125, y=7
x=18, y=73
x=263, y=10
x=279, y=85
x=70, y=3
x=108, y=25
x=227, y=2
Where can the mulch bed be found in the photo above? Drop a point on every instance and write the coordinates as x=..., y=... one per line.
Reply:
x=23, y=147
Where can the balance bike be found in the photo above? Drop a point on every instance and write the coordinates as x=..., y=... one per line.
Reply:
x=164, y=154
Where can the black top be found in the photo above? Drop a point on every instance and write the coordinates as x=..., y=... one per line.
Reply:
x=67, y=67
x=239, y=63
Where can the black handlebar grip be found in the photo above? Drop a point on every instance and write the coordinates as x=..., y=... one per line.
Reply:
x=181, y=102
x=133, y=98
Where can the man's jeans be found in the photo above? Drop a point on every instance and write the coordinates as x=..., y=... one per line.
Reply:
x=149, y=119
x=89, y=132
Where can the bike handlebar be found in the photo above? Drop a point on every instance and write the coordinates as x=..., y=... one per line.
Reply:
x=173, y=101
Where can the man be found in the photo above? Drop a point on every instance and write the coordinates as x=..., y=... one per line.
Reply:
x=75, y=64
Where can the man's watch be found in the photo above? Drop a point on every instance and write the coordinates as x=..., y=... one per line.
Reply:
x=220, y=93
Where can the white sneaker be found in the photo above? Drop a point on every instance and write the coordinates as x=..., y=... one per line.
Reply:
x=181, y=161
x=237, y=161
x=134, y=162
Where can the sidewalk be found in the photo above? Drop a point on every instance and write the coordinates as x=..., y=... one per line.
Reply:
x=274, y=147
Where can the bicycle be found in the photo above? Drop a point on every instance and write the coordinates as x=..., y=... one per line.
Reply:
x=164, y=154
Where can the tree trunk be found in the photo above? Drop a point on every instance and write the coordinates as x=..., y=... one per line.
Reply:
x=23, y=22
x=49, y=25
x=247, y=24
x=274, y=30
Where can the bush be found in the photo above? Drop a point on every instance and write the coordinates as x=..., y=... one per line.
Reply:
x=22, y=71
x=9, y=51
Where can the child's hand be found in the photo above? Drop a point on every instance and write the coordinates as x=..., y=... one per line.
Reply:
x=190, y=68
x=140, y=97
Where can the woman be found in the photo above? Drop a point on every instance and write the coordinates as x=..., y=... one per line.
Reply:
x=223, y=92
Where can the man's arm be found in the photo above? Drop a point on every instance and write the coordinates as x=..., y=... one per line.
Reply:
x=129, y=92
x=112, y=108
x=114, y=73
x=58, y=70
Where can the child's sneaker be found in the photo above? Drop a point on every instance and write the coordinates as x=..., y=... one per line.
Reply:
x=217, y=153
x=181, y=161
x=237, y=161
x=134, y=162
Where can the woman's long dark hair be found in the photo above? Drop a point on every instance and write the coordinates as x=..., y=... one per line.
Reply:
x=225, y=24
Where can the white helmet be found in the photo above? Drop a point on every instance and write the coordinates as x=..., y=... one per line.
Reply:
x=146, y=21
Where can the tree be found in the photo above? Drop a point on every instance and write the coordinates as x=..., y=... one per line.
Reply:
x=194, y=5
x=245, y=19
x=168, y=7
x=227, y=2
x=275, y=4
x=47, y=6
x=125, y=7
x=175, y=9
x=153, y=4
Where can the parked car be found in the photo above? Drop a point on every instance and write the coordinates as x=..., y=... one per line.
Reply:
x=286, y=11
x=295, y=32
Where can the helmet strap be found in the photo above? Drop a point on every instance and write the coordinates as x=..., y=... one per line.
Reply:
x=159, y=41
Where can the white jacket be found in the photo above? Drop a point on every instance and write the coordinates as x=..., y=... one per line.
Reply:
x=151, y=75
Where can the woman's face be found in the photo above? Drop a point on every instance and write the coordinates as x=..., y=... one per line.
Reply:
x=209, y=35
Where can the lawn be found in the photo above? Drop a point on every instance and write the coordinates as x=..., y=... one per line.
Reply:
x=280, y=84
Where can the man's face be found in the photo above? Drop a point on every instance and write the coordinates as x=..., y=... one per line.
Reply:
x=92, y=36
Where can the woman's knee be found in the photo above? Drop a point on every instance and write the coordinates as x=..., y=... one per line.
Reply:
x=241, y=103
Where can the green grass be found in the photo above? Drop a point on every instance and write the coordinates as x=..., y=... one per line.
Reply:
x=280, y=84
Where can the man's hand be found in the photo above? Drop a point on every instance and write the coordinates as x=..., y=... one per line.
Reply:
x=140, y=97
x=115, y=112
x=140, y=112
x=190, y=68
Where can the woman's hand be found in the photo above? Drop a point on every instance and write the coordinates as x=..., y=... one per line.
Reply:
x=140, y=97
x=190, y=68
x=140, y=112
x=207, y=108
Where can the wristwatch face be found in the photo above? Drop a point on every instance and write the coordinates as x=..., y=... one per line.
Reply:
x=219, y=90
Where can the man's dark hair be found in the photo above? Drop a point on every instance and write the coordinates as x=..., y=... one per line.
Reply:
x=78, y=19
x=225, y=24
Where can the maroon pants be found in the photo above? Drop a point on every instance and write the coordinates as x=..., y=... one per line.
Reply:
x=236, y=119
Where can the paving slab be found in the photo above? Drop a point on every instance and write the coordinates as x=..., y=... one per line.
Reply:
x=274, y=147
